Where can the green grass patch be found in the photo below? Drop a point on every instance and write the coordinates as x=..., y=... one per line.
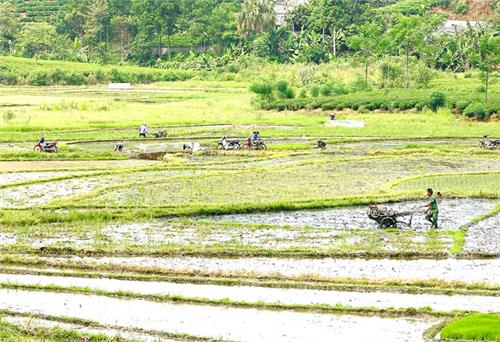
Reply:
x=486, y=183
x=485, y=327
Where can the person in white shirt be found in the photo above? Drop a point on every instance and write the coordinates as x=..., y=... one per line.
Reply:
x=143, y=130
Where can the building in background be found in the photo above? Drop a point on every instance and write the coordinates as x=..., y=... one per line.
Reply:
x=283, y=7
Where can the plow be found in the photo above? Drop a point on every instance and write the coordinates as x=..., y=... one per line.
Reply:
x=388, y=218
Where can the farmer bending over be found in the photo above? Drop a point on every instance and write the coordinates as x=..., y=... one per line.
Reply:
x=119, y=147
x=432, y=209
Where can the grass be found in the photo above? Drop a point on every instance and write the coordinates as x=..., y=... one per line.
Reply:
x=321, y=179
x=484, y=327
x=455, y=184
x=11, y=332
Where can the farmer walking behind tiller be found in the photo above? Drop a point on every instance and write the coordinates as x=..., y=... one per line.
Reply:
x=432, y=211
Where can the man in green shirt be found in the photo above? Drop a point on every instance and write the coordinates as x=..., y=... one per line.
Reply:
x=432, y=209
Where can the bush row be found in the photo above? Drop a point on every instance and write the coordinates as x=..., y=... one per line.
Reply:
x=64, y=77
x=401, y=99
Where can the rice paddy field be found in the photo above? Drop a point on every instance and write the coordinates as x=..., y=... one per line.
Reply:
x=157, y=243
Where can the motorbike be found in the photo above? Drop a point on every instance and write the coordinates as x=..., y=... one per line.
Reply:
x=486, y=142
x=226, y=144
x=49, y=147
x=258, y=145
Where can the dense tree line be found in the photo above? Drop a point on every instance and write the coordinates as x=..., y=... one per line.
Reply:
x=149, y=32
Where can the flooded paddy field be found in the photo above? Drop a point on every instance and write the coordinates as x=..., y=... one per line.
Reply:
x=204, y=321
x=456, y=213
x=465, y=270
x=241, y=245
x=248, y=294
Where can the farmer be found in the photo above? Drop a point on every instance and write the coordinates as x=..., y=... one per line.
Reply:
x=143, y=130
x=256, y=136
x=42, y=140
x=119, y=147
x=432, y=211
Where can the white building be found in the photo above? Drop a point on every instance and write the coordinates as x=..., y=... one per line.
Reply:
x=454, y=26
x=283, y=7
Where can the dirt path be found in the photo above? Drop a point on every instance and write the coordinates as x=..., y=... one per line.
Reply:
x=248, y=294
x=469, y=271
x=217, y=322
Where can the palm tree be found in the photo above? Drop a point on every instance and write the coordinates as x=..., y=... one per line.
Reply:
x=257, y=16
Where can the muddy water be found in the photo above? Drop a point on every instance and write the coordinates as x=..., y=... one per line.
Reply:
x=268, y=295
x=484, y=237
x=30, y=323
x=72, y=164
x=470, y=271
x=453, y=214
x=217, y=322
x=9, y=178
x=40, y=193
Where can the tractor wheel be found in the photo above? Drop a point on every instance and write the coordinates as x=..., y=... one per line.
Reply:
x=388, y=222
x=374, y=213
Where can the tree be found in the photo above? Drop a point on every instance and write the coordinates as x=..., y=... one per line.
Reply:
x=256, y=16
x=153, y=20
x=9, y=25
x=72, y=18
x=337, y=19
x=122, y=31
x=409, y=34
x=96, y=25
x=488, y=56
x=367, y=42
x=38, y=38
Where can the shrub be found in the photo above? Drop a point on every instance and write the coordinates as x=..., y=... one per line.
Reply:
x=461, y=105
x=437, y=100
x=8, y=116
x=303, y=93
x=315, y=91
x=363, y=109
x=326, y=89
x=477, y=110
x=75, y=78
x=306, y=74
x=422, y=75
x=39, y=78
x=263, y=89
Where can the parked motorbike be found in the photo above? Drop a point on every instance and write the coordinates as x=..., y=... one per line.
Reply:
x=49, y=147
x=486, y=142
x=226, y=144
x=258, y=145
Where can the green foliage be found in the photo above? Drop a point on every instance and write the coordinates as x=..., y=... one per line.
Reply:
x=8, y=116
x=437, y=100
x=263, y=89
x=477, y=110
x=402, y=99
x=315, y=90
x=24, y=71
x=483, y=327
x=284, y=90
x=422, y=75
